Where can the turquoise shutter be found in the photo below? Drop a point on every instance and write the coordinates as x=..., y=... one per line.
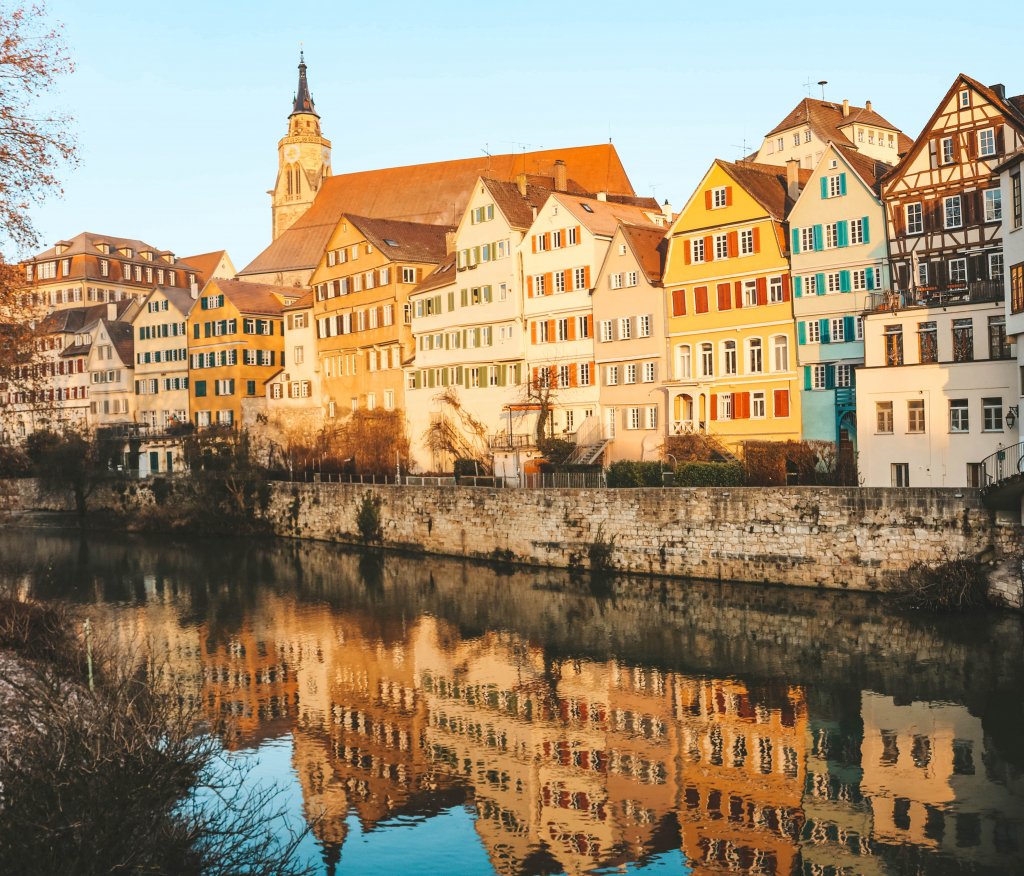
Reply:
x=807, y=377
x=848, y=328
x=823, y=326
x=844, y=281
x=798, y=287
x=869, y=278
x=830, y=377
x=821, y=284
x=801, y=332
x=867, y=235
x=818, y=239
x=843, y=232
x=824, y=187
x=842, y=183
x=796, y=240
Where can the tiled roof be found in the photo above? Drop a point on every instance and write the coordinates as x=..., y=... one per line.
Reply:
x=649, y=246
x=74, y=319
x=181, y=298
x=85, y=243
x=434, y=193
x=604, y=217
x=766, y=183
x=122, y=336
x=261, y=298
x=443, y=275
x=205, y=263
x=869, y=169
x=518, y=209
x=303, y=303
x=826, y=119
x=404, y=241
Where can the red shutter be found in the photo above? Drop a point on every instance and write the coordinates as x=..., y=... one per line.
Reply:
x=579, y=234
x=707, y=199
x=744, y=405
x=535, y=379
x=734, y=244
x=700, y=299
x=529, y=287
x=756, y=234
x=534, y=242
x=762, y=290
x=586, y=277
x=547, y=240
x=590, y=326
x=533, y=333
x=678, y=302
x=724, y=296
x=709, y=249
x=686, y=252
x=786, y=283
x=714, y=406
x=573, y=378
x=739, y=293
x=782, y=403
x=728, y=196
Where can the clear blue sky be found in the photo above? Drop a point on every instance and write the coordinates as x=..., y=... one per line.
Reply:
x=179, y=106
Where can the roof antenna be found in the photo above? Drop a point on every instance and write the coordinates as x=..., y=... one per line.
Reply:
x=822, y=83
x=807, y=86
x=743, y=148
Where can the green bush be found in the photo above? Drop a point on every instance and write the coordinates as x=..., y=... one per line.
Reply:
x=632, y=473
x=709, y=474
x=368, y=518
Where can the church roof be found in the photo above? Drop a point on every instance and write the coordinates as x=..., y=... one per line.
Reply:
x=434, y=193
x=303, y=99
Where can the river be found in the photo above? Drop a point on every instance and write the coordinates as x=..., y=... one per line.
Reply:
x=435, y=716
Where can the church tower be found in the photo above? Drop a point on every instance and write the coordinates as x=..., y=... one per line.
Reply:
x=303, y=160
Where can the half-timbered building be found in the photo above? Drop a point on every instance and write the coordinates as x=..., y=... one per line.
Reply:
x=937, y=379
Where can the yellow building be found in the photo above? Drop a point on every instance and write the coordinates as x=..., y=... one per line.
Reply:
x=361, y=293
x=235, y=344
x=730, y=316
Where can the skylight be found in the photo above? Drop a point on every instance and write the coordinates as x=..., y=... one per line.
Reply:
x=390, y=242
x=587, y=207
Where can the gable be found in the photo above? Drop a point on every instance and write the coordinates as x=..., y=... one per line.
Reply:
x=703, y=209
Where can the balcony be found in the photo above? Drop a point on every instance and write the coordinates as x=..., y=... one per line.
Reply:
x=510, y=441
x=687, y=427
x=975, y=292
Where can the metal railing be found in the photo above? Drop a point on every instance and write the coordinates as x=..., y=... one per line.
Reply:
x=565, y=480
x=974, y=292
x=506, y=441
x=428, y=481
x=1002, y=464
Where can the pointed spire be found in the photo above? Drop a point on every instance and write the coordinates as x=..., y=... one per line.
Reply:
x=303, y=99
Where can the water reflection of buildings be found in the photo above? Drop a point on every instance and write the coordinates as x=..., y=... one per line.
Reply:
x=576, y=763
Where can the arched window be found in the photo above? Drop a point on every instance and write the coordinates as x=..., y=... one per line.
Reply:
x=729, y=365
x=288, y=179
x=755, y=356
x=684, y=362
x=780, y=353
x=707, y=360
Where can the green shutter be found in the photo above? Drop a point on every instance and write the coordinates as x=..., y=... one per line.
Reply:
x=843, y=233
x=867, y=234
x=798, y=287
x=818, y=238
x=822, y=286
x=801, y=332
x=823, y=326
x=830, y=377
x=842, y=183
x=844, y=281
x=824, y=187
x=796, y=240
x=807, y=377
x=849, y=329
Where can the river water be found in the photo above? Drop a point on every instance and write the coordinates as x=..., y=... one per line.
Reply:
x=434, y=716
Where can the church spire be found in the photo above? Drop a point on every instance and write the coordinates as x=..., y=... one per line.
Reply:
x=303, y=99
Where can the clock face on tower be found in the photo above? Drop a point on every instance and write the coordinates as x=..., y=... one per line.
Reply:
x=291, y=153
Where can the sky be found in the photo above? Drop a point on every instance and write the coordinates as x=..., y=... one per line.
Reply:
x=178, y=106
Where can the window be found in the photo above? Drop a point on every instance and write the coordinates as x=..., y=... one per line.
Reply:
x=563, y=376
x=573, y=236
x=813, y=331
x=811, y=284
x=819, y=376
x=807, y=239
x=831, y=236
x=614, y=281
x=883, y=417
x=995, y=266
x=707, y=360
x=562, y=329
x=928, y=340
x=538, y=285
x=1015, y=199
x=697, y=250
x=757, y=405
x=728, y=357
x=721, y=246
x=605, y=328
x=652, y=417
x=755, y=358
x=998, y=347
x=900, y=474
x=775, y=295
x=780, y=352
x=649, y=372
x=611, y=375
x=915, y=415
x=963, y=340
x=844, y=376
x=643, y=326
x=684, y=365
x=746, y=241
x=965, y=99
x=719, y=197
x=952, y=212
x=1017, y=288
x=993, y=205
x=959, y=417
x=986, y=142
x=836, y=185
x=631, y=278
x=856, y=231
x=958, y=270
x=408, y=275
x=947, y=150
x=725, y=406
x=625, y=328
x=915, y=219
x=629, y=373
x=582, y=327
x=579, y=276
x=584, y=372
x=992, y=415
x=632, y=418
x=833, y=282
x=837, y=330
x=893, y=344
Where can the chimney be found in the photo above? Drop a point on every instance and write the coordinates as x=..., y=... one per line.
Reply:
x=111, y=311
x=449, y=242
x=1000, y=90
x=521, y=183
x=793, y=179
x=560, y=180
x=867, y=105
x=666, y=210
x=602, y=196
x=846, y=108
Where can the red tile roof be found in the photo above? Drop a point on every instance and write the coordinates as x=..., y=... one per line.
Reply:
x=766, y=183
x=604, y=217
x=404, y=241
x=826, y=119
x=443, y=275
x=434, y=193
x=649, y=245
x=205, y=263
x=261, y=298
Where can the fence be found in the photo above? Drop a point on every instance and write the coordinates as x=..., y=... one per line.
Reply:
x=1002, y=464
x=565, y=480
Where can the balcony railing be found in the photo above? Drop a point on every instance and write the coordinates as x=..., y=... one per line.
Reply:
x=975, y=292
x=687, y=427
x=506, y=441
x=1005, y=463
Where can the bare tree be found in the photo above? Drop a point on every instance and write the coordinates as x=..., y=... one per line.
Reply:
x=455, y=432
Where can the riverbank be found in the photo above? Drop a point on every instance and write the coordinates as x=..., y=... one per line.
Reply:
x=832, y=538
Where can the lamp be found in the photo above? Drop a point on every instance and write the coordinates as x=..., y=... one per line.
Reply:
x=1011, y=416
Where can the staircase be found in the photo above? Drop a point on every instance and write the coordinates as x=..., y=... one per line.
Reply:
x=719, y=449
x=590, y=443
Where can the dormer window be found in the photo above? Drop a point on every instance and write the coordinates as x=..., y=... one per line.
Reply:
x=965, y=98
x=103, y=248
x=61, y=248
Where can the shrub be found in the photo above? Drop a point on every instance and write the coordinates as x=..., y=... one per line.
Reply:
x=368, y=518
x=14, y=463
x=954, y=586
x=710, y=474
x=633, y=473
